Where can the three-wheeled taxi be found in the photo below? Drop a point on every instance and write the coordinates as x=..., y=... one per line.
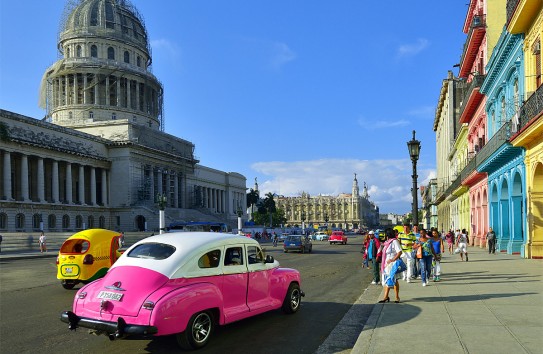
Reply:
x=87, y=256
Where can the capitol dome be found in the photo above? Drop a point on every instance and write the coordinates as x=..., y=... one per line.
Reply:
x=113, y=19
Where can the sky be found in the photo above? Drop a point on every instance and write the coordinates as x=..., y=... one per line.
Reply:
x=299, y=94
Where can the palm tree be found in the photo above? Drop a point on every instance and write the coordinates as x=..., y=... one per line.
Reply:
x=269, y=205
x=252, y=199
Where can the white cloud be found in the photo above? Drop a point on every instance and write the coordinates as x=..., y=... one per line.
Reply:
x=165, y=46
x=388, y=181
x=423, y=112
x=405, y=50
x=281, y=54
x=382, y=124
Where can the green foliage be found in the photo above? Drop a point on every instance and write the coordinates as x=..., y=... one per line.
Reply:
x=278, y=218
x=252, y=198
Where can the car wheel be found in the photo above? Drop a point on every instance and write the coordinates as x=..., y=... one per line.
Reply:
x=293, y=299
x=303, y=249
x=68, y=284
x=330, y=242
x=198, y=331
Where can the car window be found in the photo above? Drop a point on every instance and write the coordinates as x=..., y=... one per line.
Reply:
x=210, y=259
x=255, y=255
x=294, y=238
x=75, y=246
x=152, y=251
x=233, y=256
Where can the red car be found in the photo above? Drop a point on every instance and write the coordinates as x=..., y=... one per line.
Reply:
x=338, y=237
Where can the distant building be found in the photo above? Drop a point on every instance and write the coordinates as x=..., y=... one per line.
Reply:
x=347, y=211
x=101, y=157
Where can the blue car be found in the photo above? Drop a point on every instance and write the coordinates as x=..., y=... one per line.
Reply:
x=298, y=243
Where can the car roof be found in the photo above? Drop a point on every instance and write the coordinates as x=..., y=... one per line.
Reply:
x=94, y=234
x=187, y=246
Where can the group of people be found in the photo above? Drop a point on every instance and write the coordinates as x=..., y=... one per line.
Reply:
x=408, y=255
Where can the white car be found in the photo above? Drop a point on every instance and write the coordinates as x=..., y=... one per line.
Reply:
x=320, y=236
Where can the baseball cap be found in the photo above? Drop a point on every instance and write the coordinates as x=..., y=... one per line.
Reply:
x=371, y=232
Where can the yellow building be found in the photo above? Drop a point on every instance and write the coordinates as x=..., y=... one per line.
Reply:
x=527, y=19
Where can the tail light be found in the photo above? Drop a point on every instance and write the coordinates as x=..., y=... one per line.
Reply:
x=58, y=261
x=82, y=295
x=148, y=305
x=88, y=259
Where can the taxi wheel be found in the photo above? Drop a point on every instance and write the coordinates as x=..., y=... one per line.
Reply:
x=293, y=299
x=67, y=284
x=198, y=331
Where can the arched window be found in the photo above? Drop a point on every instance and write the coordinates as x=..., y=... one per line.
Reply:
x=502, y=110
x=94, y=14
x=70, y=115
x=36, y=220
x=102, y=222
x=113, y=116
x=91, y=114
x=67, y=52
x=516, y=95
x=20, y=221
x=65, y=222
x=126, y=57
x=138, y=61
x=78, y=222
x=3, y=221
x=52, y=221
x=90, y=222
x=110, y=21
x=78, y=51
x=111, y=53
x=94, y=51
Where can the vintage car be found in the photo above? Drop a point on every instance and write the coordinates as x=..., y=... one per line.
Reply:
x=184, y=284
x=86, y=256
x=298, y=243
x=320, y=236
x=338, y=237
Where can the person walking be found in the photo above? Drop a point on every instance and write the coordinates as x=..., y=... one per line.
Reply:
x=439, y=248
x=425, y=254
x=407, y=239
x=462, y=244
x=449, y=237
x=491, y=241
x=42, y=242
x=364, y=250
x=392, y=251
x=374, y=254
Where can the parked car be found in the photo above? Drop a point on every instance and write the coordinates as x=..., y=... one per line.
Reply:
x=184, y=284
x=87, y=256
x=320, y=236
x=338, y=237
x=298, y=243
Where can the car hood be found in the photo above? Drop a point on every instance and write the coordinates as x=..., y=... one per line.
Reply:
x=122, y=291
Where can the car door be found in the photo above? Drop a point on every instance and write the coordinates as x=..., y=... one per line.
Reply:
x=234, y=286
x=258, y=292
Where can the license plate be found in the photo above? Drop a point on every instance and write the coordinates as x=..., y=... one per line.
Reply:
x=109, y=295
x=68, y=270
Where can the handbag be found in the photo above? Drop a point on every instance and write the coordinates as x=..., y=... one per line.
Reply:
x=419, y=252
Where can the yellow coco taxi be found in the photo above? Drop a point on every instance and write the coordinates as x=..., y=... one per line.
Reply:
x=87, y=256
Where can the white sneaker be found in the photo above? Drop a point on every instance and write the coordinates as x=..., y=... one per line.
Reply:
x=373, y=282
x=424, y=284
x=408, y=280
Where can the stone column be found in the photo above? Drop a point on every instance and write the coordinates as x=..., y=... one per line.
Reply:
x=54, y=189
x=69, y=194
x=41, y=181
x=93, y=185
x=66, y=89
x=104, y=187
x=107, y=90
x=7, y=175
x=24, y=177
x=85, y=86
x=137, y=96
x=75, y=89
x=128, y=85
x=175, y=191
x=152, y=186
x=82, y=184
x=95, y=83
x=119, y=95
x=159, y=182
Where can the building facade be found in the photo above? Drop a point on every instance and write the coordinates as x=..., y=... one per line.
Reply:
x=101, y=157
x=346, y=211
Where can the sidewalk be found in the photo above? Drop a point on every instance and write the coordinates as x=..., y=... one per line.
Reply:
x=491, y=304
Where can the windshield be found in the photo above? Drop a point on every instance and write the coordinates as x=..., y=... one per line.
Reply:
x=152, y=251
x=294, y=238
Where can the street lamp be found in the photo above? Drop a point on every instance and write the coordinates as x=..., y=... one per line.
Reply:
x=414, y=150
x=303, y=221
x=161, y=200
x=240, y=213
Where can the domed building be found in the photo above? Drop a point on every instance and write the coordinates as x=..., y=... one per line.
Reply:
x=101, y=156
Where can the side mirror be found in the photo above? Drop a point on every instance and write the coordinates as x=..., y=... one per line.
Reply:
x=269, y=259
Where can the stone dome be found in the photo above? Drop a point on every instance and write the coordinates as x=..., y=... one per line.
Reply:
x=112, y=19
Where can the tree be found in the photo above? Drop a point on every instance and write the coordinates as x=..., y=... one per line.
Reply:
x=252, y=198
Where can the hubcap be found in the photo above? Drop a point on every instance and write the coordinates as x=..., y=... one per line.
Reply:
x=295, y=299
x=201, y=327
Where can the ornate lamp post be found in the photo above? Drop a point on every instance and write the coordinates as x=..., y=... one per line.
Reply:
x=303, y=221
x=414, y=151
x=326, y=220
x=240, y=213
x=161, y=201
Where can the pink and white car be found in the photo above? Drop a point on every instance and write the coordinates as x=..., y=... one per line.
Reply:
x=184, y=284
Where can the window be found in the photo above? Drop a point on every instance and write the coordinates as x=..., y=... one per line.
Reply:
x=78, y=51
x=255, y=255
x=65, y=222
x=20, y=221
x=90, y=222
x=36, y=220
x=102, y=222
x=52, y=221
x=94, y=51
x=156, y=251
x=113, y=115
x=70, y=115
x=3, y=221
x=75, y=246
x=111, y=53
x=210, y=259
x=91, y=114
x=138, y=61
x=110, y=21
x=234, y=256
x=126, y=57
x=78, y=222
x=67, y=52
x=94, y=15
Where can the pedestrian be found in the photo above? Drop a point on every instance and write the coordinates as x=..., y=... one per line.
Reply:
x=416, y=267
x=462, y=244
x=407, y=239
x=425, y=254
x=392, y=251
x=364, y=250
x=439, y=248
x=374, y=252
x=491, y=241
x=121, y=240
x=450, y=241
x=42, y=242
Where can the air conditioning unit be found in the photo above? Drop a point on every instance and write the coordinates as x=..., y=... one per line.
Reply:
x=536, y=49
x=476, y=20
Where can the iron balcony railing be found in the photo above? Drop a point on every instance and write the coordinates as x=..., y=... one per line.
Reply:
x=531, y=108
x=510, y=9
x=476, y=23
x=469, y=88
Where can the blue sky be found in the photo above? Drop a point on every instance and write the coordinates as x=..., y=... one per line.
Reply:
x=299, y=94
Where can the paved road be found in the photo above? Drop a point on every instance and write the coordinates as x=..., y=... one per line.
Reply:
x=31, y=300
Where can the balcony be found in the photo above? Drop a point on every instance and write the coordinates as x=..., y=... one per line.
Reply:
x=471, y=47
x=530, y=109
x=472, y=98
x=510, y=8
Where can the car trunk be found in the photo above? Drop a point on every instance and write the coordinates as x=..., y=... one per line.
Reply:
x=123, y=291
